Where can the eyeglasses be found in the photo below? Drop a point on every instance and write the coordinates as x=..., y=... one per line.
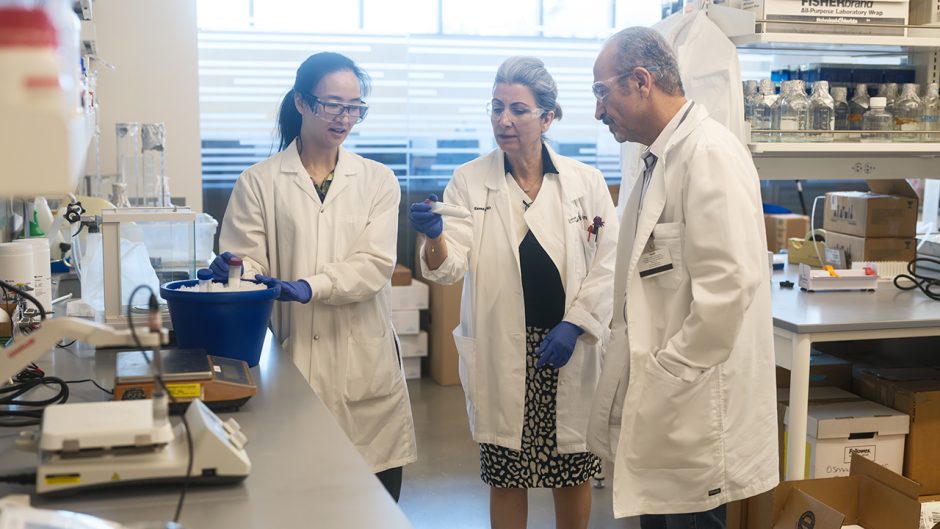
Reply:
x=516, y=112
x=602, y=89
x=334, y=110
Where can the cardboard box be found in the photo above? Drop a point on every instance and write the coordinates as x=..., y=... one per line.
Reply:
x=845, y=17
x=401, y=277
x=824, y=370
x=888, y=210
x=412, y=367
x=6, y=321
x=872, y=249
x=410, y=297
x=615, y=190
x=444, y=316
x=735, y=514
x=915, y=392
x=781, y=227
x=800, y=251
x=406, y=321
x=871, y=496
x=414, y=345
x=925, y=12
x=841, y=424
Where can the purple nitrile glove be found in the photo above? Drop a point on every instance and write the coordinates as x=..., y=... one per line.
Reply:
x=290, y=290
x=219, y=266
x=555, y=350
x=423, y=221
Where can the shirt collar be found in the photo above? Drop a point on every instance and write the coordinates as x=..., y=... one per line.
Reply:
x=547, y=166
x=658, y=147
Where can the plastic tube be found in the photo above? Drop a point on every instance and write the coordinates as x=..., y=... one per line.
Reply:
x=205, y=279
x=234, y=273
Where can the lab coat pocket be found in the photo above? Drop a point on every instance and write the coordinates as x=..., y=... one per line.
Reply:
x=371, y=367
x=668, y=235
x=589, y=249
x=466, y=351
x=676, y=422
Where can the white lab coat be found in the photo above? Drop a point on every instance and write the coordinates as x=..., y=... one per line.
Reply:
x=711, y=76
x=491, y=339
x=686, y=404
x=345, y=248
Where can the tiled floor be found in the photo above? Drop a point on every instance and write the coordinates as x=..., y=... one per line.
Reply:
x=443, y=489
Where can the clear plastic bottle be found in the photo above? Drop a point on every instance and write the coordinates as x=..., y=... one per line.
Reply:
x=891, y=94
x=794, y=113
x=908, y=113
x=858, y=106
x=931, y=117
x=840, y=106
x=785, y=87
x=763, y=112
x=751, y=93
x=822, y=112
x=877, y=119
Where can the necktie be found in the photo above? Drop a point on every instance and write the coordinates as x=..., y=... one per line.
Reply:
x=649, y=162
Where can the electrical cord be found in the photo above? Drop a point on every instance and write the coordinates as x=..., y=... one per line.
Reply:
x=7, y=286
x=154, y=322
x=11, y=403
x=84, y=380
x=26, y=478
x=928, y=285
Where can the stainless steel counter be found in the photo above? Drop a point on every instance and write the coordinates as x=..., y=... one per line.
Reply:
x=305, y=472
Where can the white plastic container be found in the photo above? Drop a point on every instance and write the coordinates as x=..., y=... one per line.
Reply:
x=42, y=273
x=29, y=62
x=16, y=264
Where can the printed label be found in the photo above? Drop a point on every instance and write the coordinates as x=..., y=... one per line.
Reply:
x=867, y=451
x=185, y=391
x=63, y=479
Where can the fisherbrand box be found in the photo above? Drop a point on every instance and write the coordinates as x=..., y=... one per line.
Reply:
x=854, y=17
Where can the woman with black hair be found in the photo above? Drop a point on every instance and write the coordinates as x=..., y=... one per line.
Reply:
x=322, y=223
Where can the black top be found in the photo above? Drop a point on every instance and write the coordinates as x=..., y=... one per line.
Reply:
x=542, y=289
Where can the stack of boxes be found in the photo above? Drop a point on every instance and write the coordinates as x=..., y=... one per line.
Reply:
x=874, y=226
x=409, y=298
x=781, y=227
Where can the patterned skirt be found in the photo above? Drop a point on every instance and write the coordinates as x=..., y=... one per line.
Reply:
x=537, y=464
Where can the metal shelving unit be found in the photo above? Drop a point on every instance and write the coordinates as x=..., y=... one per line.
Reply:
x=835, y=160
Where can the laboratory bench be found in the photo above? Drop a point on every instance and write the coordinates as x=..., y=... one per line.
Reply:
x=305, y=472
x=803, y=318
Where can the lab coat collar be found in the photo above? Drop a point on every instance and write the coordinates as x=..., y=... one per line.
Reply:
x=658, y=147
x=571, y=188
x=291, y=164
x=655, y=199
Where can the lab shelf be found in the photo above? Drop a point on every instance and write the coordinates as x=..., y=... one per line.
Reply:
x=745, y=31
x=869, y=161
x=836, y=44
x=842, y=149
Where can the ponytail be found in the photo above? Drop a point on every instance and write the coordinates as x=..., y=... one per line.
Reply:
x=288, y=121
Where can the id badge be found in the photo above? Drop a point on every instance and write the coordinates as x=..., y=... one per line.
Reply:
x=654, y=261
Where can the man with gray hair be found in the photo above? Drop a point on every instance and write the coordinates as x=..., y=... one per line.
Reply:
x=686, y=406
